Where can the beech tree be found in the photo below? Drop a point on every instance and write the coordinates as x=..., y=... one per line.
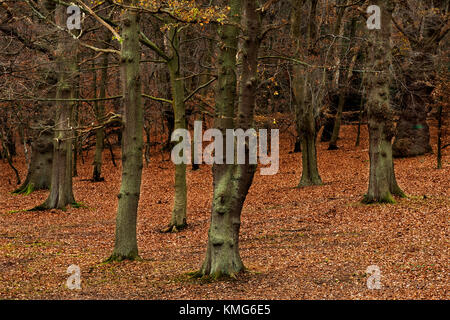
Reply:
x=307, y=94
x=125, y=247
x=231, y=182
x=382, y=182
x=61, y=193
x=424, y=25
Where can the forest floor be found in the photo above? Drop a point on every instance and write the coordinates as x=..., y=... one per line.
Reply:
x=310, y=243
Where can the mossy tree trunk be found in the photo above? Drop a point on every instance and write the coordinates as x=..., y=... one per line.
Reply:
x=61, y=193
x=231, y=182
x=132, y=141
x=382, y=182
x=40, y=169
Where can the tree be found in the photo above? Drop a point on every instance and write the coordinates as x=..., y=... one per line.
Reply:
x=424, y=26
x=100, y=114
x=231, y=182
x=178, y=220
x=61, y=193
x=382, y=182
x=125, y=247
x=307, y=100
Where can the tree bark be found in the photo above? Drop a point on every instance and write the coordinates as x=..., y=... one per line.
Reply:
x=100, y=114
x=306, y=112
x=61, y=193
x=412, y=136
x=132, y=142
x=178, y=219
x=40, y=169
x=231, y=182
x=382, y=182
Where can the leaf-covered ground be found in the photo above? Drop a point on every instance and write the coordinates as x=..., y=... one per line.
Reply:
x=311, y=243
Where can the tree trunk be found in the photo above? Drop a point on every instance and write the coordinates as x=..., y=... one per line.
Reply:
x=231, y=182
x=343, y=95
x=61, y=193
x=439, y=137
x=40, y=169
x=178, y=219
x=100, y=114
x=412, y=136
x=306, y=114
x=132, y=141
x=382, y=182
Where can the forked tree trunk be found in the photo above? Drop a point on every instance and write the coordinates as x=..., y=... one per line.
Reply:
x=231, y=182
x=382, y=182
x=132, y=141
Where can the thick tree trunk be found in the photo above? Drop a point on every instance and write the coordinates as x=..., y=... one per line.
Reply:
x=40, y=168
x=132, y=142
x=412, y=136
x=231, y=182
x=61, y=193
x=413, y=133
x=382, y=182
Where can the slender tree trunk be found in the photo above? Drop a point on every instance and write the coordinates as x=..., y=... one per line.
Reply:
x=305, y=107
x=132, y=141
x=382, y=182
x=100, y=114
x=342, y=97
x=76, y=114
x=439, y=143
x=178, y=219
